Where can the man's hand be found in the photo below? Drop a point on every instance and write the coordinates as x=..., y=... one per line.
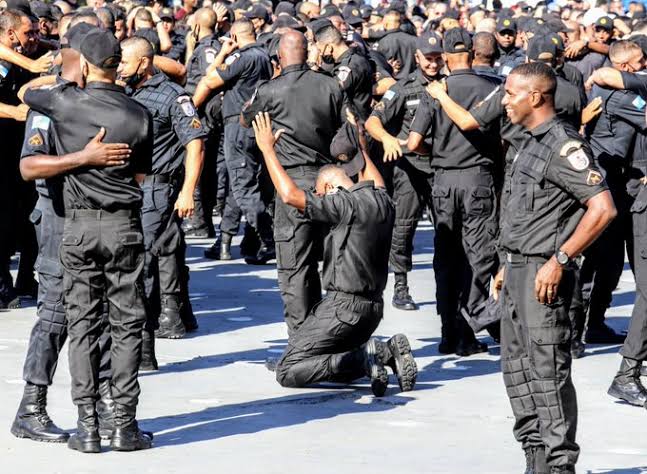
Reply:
x=574, y=49
x=228, y=47
x=436, y=88
x=592, y=110
x=265, y=138
x=20, y=113
x=42, y=64
x=185, y=205
x=392, y=149
x=547, y=281
x=221, y=12
x=498, y=284
x=98, y=153
x=396, y=65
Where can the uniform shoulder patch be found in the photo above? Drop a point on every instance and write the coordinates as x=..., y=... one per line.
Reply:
x=639, y=103
x=343, y=73
x=594, y=178
x=186, y=105
x=40, y=122
x=4, y=69
x=576, y=155
x=195, y=123
x=36, y=139
x=210, y=55
x=379, y=107
x=389, y=95
x=231, y=59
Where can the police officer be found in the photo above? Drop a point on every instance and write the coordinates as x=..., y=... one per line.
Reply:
x=297, y=97
x=389, y=124
x=333, y=343
x=509, y=55
x=239, y=66
x=178, y=40
x=398, y=47
x=39, y=161
x=464, y=202
x=486, y=53
x=102, y=248
x=558, y=205
x=168, y=190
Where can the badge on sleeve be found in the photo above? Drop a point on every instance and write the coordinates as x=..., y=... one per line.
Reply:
x=575, y=154
x=232, y=59
x=594, y=178
x=639, y=103
x=4, y=70
x=40, y=122
x=379, y=107
x=35, y=139
x=195, y=123
x=210, y=55
x=389, y=95
x=343, y=73
x=186, y=105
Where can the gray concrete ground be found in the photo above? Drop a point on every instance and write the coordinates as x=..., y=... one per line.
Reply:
x=215, y=408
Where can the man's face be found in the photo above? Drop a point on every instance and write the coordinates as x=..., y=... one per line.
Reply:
x=602, y=35
x=339, y=23
x=506, y=38
x=517, y=99
x=429, y=64
x=634, y=63
x=168, y=24
x=26, y=36
x=129, y=65
x=258, y=24
x=120, y=29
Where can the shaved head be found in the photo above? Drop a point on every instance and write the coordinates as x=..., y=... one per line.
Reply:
x=242, y=28
x=205, y=18
x=536, y=77
x=138, y=47
x=331, y=177
x=293, y=48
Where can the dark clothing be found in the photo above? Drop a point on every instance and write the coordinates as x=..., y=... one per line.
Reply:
x=490, y=73
x=178, y=48
x=301, y=96
x=355, y=75
x=588, y=63
x=241, y=73
x=78, y=114
x=203, y=56
x=509, y=59
x=396, y=45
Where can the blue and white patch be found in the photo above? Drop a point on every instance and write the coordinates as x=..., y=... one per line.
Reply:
x=4, y=70
x=639, y=103
x=186, y=105
x=389, y=95
x=232, y=59
x=210, y=55
x=40, y=122
x=506, y=70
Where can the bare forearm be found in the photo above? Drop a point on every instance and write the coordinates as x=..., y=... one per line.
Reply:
x=601, y=211
x=370, y=171
x=175, y=70
x=382, y=86
x=205, y=88
x=8, y=54
x=608, y=77
x=48, y=166
x=287, y=190
x=375, y=128
x=165, y=39
x=193, y=166
x=599, y=47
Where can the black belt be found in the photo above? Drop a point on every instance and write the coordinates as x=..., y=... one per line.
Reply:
x=159, y=179
x=472, y=170
x=374, y=297
x=101, y=213
x=518, y=258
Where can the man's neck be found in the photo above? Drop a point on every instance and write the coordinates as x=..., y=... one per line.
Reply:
x=245, y=42
x=340, y=50
x=539, y=117
x=149, y=74
x=204, y=33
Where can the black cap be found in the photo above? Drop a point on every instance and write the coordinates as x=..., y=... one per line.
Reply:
x=285, y=7
x=556, y=25
x=366, y=11
x=101, y=49
x=319, y=24
x=258, y=11
x=329, y=10
x=286, y=21
x=506, y=24
x=604, y=22
x=542, y=48
x=22, y=6
x=241, y=5
x=398, y=6
x=457, y=40
x=42, y=10
x=429, y=43
x=167, y=13
x=76, y=35
x=344, y=149
x=352, y=15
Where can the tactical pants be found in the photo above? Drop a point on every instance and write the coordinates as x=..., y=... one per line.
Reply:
x=50, y=331
x=298, y=246
x=635, y=346
x=465, y=222
x=327, y=346
x=244, y=168
x=411, y=193
x=204, y=195
x=536, y=363
x=103, y=256
x=163, y=241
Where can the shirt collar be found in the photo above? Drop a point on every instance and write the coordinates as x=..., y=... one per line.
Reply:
x=543, y=128
x=346, y=54
x=104, y=86
x=294, y=67
x=459, y=72
x=362, y=185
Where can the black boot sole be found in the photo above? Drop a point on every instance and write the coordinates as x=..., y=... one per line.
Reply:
x=88, y=447
x=378, y=374
x=21, y=433
x=127, y=446
x=616, y=393
x=404, y=365
x=405, y=307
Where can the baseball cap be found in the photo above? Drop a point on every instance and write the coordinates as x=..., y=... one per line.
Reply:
x=429, y=43
x=344, y=149
x=319, y=24
x=101, y=49
x=285, y=7
x=286, y=21
x=352, y=15
x=366, y=11
x=22, y=6
x=75, y=36
x=506, y=24
x=329, y=10
x=42, y=10
x=556, y=25
x=167, y=13
x=457, y=40
x=258, y=11
x=542, y=48
x=604, y=22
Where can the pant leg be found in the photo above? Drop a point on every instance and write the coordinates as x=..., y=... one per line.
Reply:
x=221, y=169
x=231, y=215
x=152, y=226
x=27, y=243
x=297, y=241
x=169, y=240
x=124, y=249
x=326, y=347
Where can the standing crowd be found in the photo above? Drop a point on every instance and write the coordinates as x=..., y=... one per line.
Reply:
x=518, y=128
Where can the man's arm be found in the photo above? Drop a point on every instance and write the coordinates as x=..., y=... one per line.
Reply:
x=606, y=77
x=286, y=189
x=35, y=66
x=14, y=112
x=175, y=70
x=457, y=114
x=192, y=169
x=370, y=171
x=213, y=79
x=34, y=84
x=96, y=154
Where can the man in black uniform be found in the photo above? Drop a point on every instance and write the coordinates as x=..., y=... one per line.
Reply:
x=239, y=67
x=168, y=189
x=102, y=248
x=389, y=124
x=178, y=39
x=509, y=55
x=39, y=162
x=398, y=47
x=558, y=205
x=333, y=343
x=297, y=97
x=463, y=197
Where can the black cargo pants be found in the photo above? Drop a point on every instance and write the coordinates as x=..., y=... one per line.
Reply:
x=103, y=256
x=327, y=346
x=536, y=362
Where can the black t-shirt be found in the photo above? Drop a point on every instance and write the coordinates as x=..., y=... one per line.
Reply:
x=399, y=46
x=78, y=115
x=355, y=76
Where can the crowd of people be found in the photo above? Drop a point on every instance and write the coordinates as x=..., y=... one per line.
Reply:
x=518, y=128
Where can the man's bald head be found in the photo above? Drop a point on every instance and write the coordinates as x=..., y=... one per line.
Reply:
x=331, y=177
x=485, y=48
x=293, y=48
x=626, y=56
x=205, y=18
x=137, y=47
x=243, y=28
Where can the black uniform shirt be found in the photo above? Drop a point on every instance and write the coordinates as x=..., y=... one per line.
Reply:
x=309, y=106
x=355, y=75
x=203, y=56
x=78, y=115
x=241, y=73
x=637, y=83
x=356, y=251
x=175, y=122
x=40, y=140
x=489, y=72
x=508, y=60
x=552, y=177
x=178, y=47
x=397, y=109
x=452, y=148
x=399, y=46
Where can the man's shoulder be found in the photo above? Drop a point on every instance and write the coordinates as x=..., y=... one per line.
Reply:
x=563, y=139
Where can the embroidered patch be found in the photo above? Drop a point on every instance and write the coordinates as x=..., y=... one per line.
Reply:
x=594, y=178
x=379, y=107
x=639, y=103
x=343, y=73
x=389, y=95
x=36, y=140
x=186, y=105
x=210, y=55
x=40, y=122
x=578, y=160
x=195, y=123
x=232, y=59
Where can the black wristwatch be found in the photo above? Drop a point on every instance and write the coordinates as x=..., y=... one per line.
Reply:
x=562, y=257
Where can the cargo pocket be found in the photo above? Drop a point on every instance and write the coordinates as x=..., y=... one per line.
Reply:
x=438, y=195
x=50, y=274
x=70, y=251
x=639, y=219
x=347, y=320
x=130, y=251
x=286, y=258
x=549, y=348
x=481, y=202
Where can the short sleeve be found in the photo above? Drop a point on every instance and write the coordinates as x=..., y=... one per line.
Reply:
x=331, y=209
x=186, y=123
x=630, y=108
x=389, y=107
x=489, y=111
x=422, y=120
x=232, y=68
x=38, y=136
x=46, y=99
x=636, y=83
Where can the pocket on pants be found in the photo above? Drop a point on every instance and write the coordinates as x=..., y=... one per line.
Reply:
x=70, y=250
x=286, y=258
x=480, y=202
x=549, y=351
x=130, y=250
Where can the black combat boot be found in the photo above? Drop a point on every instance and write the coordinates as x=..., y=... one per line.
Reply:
x=627, y=385
x=448, y=336
x=148, y=362
x=87, y=438
x=374, y=368
x=536, y=461
x=265, y=253
x=603, y=334
x=467, y=343
x=186, y=309
x=568, y=469
x=401, y=297
x=250, y=244
x=221, y=249
x=32, y=420
x=171, y=326
x=105, y=410
x=127, y=436
x=402, y=362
